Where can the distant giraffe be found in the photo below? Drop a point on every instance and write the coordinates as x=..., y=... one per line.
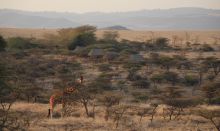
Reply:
x=54, y=99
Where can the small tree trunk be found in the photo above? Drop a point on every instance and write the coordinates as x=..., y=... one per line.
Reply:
x=153, y=113
x=154, y=84
x=200, y=78
x=171, y=114
x=168, y=68
x=141, y=118
x=35, y=99
x=117, y=122
x=216, y=126
x=85, y=103
x=216, y=71
x=28, y=98
x=106, y=114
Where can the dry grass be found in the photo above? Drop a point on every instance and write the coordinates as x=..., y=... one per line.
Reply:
x=200, y=36
x=189, y=55
x=22, y=32
x=129, y=123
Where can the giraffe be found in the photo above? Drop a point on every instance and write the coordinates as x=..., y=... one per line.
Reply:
x=54, y=98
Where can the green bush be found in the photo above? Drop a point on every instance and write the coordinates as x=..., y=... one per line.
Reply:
x=132, y=75
x=206, y=47
x=140, y=96
x=67, y=35
x=215, y=101
x=166, y=62
x=83, y=39
x=133, y=66
x=141, y=84
x=211, y=91
x=82, y=52
x=161, y=42
x=128, y=51
x=102, y=82
x=104, y=67
x=191, y=80
x=5, y=89
x=3, y=44
x=171, y=77
x=156, y=78
x=110, y=36
x=21, y=43
x=211, y=77
x=158, y=43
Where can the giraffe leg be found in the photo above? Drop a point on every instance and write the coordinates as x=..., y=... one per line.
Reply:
x=51, y=106
x=62, y=113
x=48, y=115
x=63, y=109
x=51, y=114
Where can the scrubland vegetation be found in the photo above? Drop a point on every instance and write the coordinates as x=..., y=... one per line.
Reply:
x=157, y=84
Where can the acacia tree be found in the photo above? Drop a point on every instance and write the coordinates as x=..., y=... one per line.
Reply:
x=156, y=78
x=212, y=115
x=84, y=94
x=82, y=39
x=191, y=80
x=161, y=42
x=182, y=62
x=171, y=77
x=150, y=111
x=172, y=97
x=117, y=113
x=102, y=82
x=175, y=39
x=110, y=36
x=143, y=112
x=8, y=121
x=31, y=92
x=67, y=35
x=132, y=74
x=85, y=97
x=109, y=101
x=175, y=107
x=211, y=91
x=141, y=83
x=166, y=62
x=214, y=63
x=201, y=70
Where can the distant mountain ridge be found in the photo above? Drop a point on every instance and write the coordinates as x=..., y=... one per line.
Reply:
x=176, y=18
x=116, y=27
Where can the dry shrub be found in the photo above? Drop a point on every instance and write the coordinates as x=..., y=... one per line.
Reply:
x=212, y=115
x=109, y=101
x=175, y=108
x=149, y=111
x=117, y=113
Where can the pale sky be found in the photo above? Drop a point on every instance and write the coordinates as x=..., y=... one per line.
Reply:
x=81, y=6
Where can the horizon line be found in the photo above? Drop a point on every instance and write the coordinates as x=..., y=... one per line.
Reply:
x=108, y=11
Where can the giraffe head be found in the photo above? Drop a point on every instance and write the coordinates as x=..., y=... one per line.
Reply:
x=80, y=80
x=71, y=89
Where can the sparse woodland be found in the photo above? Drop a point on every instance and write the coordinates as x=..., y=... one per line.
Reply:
x=158, y=84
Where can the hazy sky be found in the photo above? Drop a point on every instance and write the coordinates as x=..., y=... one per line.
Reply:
x=104, y=5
